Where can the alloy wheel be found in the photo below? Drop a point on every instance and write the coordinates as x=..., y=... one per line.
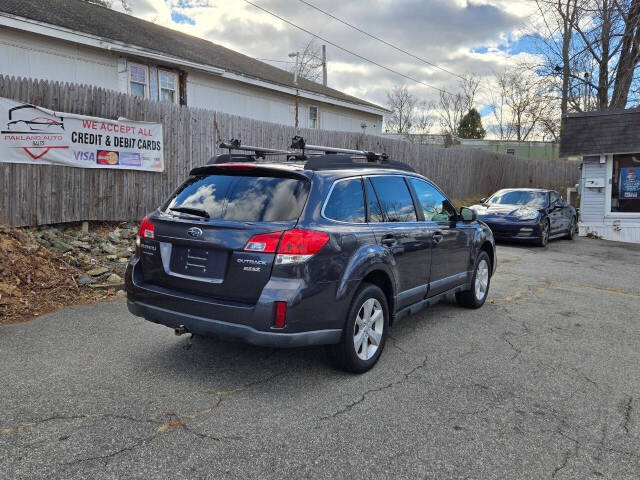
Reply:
x=367, y=329
x=482, y=279
x=545, y=234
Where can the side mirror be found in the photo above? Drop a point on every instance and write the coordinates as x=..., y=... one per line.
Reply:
x=482, y=200
x=467, y=215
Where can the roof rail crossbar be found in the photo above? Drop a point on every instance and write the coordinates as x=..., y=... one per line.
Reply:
x=299, y=143
x=258, y=152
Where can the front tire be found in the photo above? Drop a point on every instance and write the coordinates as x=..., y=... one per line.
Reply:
x=365, y=332
x=544, y=235
x=480, y=282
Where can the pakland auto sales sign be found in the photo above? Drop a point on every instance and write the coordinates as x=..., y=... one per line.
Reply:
x=31, y=134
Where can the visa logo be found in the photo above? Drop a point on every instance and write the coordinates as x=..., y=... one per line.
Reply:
x=85, y=156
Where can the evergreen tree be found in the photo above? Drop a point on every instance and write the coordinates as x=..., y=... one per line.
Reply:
x=471, y=125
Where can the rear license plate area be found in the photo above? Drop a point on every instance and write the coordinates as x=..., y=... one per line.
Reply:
x=198, y=262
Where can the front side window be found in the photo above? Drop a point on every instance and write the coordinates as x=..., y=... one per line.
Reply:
x=395, y=199
x=168, y=84
x=138, y=80
x=625, y=183
x=242, y=198
x=313, y=117
x=346, y=202
x=554, y=197
x=435, y=206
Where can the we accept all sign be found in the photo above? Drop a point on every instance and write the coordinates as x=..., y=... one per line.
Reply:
x=31, y=134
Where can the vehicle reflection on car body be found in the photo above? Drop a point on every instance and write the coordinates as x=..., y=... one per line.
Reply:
x=527, y=214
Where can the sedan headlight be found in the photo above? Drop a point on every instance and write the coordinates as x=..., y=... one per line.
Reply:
x=526, y=214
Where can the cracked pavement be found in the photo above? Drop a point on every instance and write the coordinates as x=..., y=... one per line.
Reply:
x=542, y=382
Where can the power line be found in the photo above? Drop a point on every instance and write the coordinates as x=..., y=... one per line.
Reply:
x=381, y=40
x=345, y=49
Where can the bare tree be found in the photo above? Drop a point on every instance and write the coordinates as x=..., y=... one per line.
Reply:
x=453, y=106
x=309, y=61
x=629, y=53
x=594, y=45
x=403, y=110
x=520, y=101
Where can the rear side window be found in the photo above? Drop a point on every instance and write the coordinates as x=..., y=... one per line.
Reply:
x=243, y=198
x=395, y=199
x=346, y=202
x=435, y=206
x=373, y=207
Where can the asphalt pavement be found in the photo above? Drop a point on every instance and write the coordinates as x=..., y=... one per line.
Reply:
x=542, y=382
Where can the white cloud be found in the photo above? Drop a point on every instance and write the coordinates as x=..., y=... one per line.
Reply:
x=464, y=36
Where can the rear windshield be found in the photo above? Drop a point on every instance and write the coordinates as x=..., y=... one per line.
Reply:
x=242, y=198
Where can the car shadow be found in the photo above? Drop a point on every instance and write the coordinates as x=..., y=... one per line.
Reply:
x=202, y=359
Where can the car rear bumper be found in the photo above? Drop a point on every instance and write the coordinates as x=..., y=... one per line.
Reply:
x=229, y=331
x=307, y=320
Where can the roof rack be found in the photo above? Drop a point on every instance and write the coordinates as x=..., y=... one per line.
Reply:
x=335, y=158
x=257, y=152
x=298, y=143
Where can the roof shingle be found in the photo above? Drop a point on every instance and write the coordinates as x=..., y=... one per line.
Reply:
x=595, y=133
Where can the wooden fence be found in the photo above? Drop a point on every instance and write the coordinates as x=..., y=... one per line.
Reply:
x=46, y=194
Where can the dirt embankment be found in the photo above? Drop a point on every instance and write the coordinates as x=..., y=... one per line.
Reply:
x=49, y=268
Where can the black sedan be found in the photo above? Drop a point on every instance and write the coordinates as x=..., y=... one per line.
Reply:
x=527, y=214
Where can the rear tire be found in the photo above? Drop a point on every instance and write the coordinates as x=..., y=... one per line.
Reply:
x=480, y=282
x=544, y=235
x=365, y=332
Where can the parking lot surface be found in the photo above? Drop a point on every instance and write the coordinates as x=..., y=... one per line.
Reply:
x=542, y=382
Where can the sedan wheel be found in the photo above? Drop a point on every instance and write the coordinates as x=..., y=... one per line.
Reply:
x=572, y=229
x=544, y=235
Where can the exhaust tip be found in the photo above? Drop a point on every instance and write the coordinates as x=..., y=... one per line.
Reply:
x=181, y=330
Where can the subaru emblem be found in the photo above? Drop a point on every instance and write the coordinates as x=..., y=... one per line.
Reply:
x=194, y=232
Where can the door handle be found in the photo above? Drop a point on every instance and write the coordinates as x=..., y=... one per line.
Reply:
x=437, y=237
x=389, y=240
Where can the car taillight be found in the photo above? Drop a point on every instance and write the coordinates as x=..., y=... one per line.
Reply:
x=147, y=229
x=263, y=243
x=299, y=245
x=292, y=246
x=281, y=315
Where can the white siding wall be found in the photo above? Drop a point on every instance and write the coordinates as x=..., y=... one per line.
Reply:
x=216, y=93
x=592, y=200
x=27, y=55
x=594, y=217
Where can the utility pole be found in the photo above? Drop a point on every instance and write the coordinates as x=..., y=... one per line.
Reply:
x=295, y=81
x=586, y=91
x=324, y=65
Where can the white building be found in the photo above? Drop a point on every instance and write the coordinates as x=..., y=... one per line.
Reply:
x=79, y=42
x=609, y=144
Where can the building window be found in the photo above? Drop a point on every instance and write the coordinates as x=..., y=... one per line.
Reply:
x=625, y=183
x=313, y=117
x=168, y=85
x=138, y=80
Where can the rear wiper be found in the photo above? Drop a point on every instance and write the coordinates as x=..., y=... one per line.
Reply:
x=198, y=212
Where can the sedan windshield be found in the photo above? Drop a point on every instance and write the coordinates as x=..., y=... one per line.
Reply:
x=519, y=197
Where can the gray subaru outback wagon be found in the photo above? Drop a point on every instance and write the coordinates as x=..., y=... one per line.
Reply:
x=328, y=247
